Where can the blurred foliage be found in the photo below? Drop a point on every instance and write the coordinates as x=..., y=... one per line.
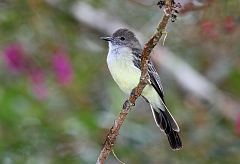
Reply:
x=57, y=99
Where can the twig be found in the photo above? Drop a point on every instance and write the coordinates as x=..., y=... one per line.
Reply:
x=117, y=157
x=191, y=7
x=188, y=79
x=136, y=92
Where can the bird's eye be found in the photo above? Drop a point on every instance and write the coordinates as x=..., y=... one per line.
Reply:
x=122, y=38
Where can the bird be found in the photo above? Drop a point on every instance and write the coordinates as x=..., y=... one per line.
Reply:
x=124, y=64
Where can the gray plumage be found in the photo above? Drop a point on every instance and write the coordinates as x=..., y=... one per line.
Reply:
x=124, y=62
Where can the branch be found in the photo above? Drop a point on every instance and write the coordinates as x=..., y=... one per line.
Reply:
x=188, y=79
x=137, y=91
x=190, y=6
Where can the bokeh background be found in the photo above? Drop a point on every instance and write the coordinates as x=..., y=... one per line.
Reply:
x=58, y=100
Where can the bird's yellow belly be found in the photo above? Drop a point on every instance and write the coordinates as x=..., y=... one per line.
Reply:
x=126, y=76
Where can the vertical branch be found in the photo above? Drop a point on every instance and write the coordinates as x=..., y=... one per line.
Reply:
x=136, y=92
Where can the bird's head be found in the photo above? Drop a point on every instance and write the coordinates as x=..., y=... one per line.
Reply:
x=123, y=38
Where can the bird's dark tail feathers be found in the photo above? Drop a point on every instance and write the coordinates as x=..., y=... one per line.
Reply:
x=166, y=122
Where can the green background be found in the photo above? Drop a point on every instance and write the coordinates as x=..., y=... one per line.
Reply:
x=68, y=122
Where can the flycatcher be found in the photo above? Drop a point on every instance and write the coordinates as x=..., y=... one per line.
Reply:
x=124, y=63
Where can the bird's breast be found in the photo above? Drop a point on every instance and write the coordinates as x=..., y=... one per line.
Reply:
x=123, y=71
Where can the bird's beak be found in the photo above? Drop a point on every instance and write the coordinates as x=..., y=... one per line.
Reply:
x=106, y=38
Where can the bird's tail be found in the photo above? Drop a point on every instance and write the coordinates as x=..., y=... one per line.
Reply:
x=166, y=123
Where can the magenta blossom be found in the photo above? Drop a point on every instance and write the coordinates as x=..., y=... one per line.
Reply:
x=209, y=30
x=237, y=125
x=40, y=91
x=14, y=56
x=62, y=67
x=17, y=61
x=229, y=24
x=37, y=78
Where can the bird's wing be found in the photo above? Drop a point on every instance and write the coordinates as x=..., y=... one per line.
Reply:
x=155, y=80
x=154, y=77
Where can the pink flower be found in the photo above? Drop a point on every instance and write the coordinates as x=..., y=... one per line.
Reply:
x=40, y=91
x=36, y=76
x=17, y=61
x=209, y=29
x=37, y=79
x=14, y=56
x=229, y=24
x=237, y=125
x=62, y=67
